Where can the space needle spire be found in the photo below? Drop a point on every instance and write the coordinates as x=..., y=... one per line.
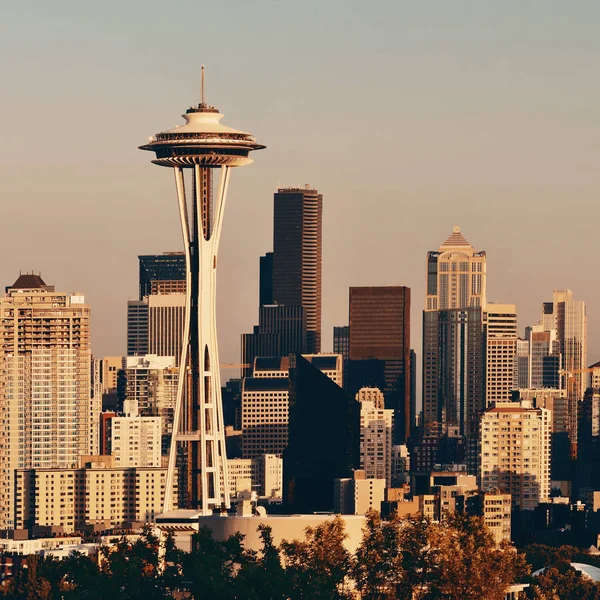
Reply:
x=201, y=152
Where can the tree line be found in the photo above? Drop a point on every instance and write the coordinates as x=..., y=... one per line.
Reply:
x=405, y=559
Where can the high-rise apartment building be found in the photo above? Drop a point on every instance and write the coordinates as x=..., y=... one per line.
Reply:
x=136, y=441
x=297, y=255
x=454, y=338
x=380, y=333
x=376, y=425
x=500, y=322
x=150, y=382
x=557, y=403
x=48, y=417
x=515, y=452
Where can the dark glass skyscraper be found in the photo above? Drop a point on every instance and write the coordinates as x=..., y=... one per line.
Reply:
x=380, y=346
x=323, y=439
x=297, y=255
x=281, y=331
x=162, y=274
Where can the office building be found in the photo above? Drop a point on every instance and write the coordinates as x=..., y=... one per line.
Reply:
x=261, y=474
x=48, y=417
x=297, y=255
x=94, y=493
x=515, y=452
x=521, y=374
x=456, y=275
x=357, y=495
x=265, y=410
x=265, y=287
x=453, y=338
x=136, y=441
x=166, y=316
x=380, y=347
x=323, y=440
x=281, y=330
x=137, y=327
x=376, y=425
x=500, y=324
x=162, y=274
x=453, y=371
x=341, y=341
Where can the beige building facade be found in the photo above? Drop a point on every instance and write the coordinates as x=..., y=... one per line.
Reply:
x=48, y=417
x=500, y=325
x=95, y=494
x=515, y=452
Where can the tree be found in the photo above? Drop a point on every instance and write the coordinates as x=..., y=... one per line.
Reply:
x=469, y=566
x=377, y=569
x=317, y=568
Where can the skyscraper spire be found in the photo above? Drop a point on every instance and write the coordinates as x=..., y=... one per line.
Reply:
x=202, y=92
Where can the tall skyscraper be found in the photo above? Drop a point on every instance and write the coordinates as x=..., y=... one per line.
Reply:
x=137, y=327
x=453, y=338
x=48, y=416
x=207, y=150
x=323, y=438
x=281, y=331
x=162, y=274
x=265, y=288
x=341, y=341
x=380, y=334
x=456, y=275
x=562, y=339
x=501, y=350
x=297, y=255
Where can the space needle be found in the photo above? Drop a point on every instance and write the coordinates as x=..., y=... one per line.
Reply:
x=201, y=153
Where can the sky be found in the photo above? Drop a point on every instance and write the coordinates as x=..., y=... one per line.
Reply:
x=409, y=117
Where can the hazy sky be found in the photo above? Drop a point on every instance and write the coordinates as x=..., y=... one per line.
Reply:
x=410, y=118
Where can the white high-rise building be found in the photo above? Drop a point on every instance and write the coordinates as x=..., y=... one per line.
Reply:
x=515, y=452
x=136, y=441
x=500, y=325
x=48, y=417
x=376, y=439
x=151, y=381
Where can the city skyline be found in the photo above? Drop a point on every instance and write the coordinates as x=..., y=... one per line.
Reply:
x=495, y=135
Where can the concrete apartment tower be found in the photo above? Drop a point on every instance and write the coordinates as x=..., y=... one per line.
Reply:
x=48, y=416
x=297, y=255
x=515, y=452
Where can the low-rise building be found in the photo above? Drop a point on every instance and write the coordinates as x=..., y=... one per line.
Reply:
x=96, y=493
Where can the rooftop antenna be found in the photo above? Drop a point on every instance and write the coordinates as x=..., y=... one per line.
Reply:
x=202, y=95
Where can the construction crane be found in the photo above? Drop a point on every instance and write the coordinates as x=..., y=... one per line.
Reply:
x=234, y=366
